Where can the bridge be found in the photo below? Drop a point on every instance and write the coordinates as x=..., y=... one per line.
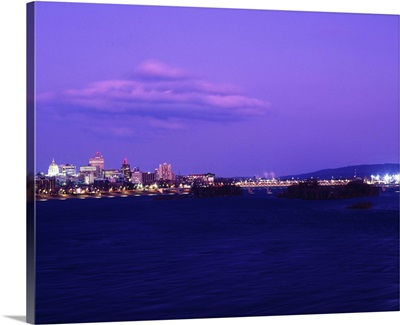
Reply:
x=280, y=183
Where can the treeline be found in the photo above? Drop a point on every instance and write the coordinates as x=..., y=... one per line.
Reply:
x=311, y=190
x=214, y=191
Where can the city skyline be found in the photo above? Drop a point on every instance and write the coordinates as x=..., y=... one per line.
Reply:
x=251, y=92
x=97, y=161
x=97, y=165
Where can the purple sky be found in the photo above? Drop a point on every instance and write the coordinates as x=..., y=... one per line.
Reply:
x=234, y=92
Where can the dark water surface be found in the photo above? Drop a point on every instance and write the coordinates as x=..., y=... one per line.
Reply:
x=135, y=258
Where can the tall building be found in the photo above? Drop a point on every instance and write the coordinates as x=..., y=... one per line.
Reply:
x=165, y=172
x=89, y=173
x=126, y=169
x=67, y=169
x=97, y=161
x=148, y=178
x=137, y=177
x=53, y=169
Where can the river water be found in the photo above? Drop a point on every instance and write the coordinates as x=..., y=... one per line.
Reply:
x=136, y=258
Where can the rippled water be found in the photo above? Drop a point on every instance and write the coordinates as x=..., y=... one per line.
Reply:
x=136, y=258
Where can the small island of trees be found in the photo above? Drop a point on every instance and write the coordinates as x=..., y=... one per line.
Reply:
x=311, y=190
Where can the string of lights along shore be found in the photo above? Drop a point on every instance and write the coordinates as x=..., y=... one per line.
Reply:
x=65, y=178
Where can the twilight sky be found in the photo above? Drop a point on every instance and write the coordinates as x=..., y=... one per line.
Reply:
x=234, y=92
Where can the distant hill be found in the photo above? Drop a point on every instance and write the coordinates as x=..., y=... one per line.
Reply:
x=348, y=172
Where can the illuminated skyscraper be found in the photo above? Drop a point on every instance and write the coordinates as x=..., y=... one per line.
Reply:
x=97, y=161
x=165, y=172
x=126, y=169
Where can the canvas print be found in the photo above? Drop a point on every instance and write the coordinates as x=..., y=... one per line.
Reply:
x=200, y=163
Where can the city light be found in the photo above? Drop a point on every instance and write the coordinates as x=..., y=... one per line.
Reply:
x=386, y=179
x=92, y=181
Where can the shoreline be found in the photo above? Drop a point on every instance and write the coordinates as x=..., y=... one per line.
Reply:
x=61, y=197
x=161, y=193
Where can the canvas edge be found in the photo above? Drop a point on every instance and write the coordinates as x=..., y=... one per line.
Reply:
x=30, y=146
x=30, y=164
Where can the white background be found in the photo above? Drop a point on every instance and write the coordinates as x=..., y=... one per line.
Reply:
x=13, y=157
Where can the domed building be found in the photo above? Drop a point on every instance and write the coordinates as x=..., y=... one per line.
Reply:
x=53, y=169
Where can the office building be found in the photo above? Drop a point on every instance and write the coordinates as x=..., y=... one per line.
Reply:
x=67, y=169
x=137, y=177
x=148, y=178
x=126, y=170
x=165, y=172
x=97, y=161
